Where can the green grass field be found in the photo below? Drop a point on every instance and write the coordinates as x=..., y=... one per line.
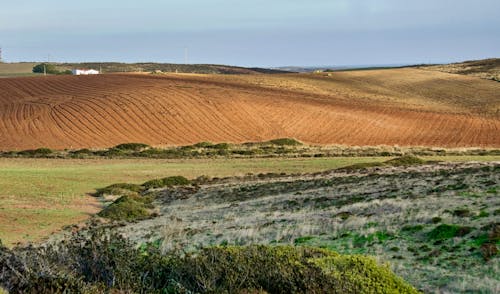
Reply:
x=39, y=196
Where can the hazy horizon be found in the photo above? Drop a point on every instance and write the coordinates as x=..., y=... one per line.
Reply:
x=257, y=33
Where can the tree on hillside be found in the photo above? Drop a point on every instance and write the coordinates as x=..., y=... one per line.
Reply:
x=45, y=67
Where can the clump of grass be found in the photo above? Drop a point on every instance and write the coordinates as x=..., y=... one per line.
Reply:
x=204, y=145
x=303, y=240
x=166, y=182
x=81, y=152
x=132, y=146
x=445, y=231
x=40, y=152
x=405, y=160
x=461, y=212
x=128, y=208
x=285, y=142
x=436, y=219
x=412, y=229
x=119, y=189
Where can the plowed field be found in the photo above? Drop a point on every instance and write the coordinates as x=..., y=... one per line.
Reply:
x=400, y=106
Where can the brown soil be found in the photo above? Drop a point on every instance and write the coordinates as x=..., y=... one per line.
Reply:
x=390, y=107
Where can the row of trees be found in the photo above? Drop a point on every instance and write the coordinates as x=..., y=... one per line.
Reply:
x=49, y=69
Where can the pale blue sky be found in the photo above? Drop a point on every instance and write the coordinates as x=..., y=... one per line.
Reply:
x=251, y=33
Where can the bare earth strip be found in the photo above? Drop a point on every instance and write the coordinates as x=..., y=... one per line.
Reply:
x=383, y=107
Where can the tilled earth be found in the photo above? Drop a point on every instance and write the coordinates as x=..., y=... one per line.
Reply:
x=437, y=224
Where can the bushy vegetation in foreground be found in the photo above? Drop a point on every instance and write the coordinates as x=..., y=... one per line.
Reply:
x=100, y=263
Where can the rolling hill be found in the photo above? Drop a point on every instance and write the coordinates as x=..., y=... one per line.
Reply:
x=380, y=107
x=485, y=68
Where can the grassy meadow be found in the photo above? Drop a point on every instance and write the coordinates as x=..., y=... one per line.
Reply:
x=39, y=196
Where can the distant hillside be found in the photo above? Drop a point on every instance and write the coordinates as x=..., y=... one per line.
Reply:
x=108, y=67
x=485, y=69
x=16, y=69
x=25, y=68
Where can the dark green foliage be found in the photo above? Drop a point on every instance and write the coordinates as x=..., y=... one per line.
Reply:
x=128, y=208
x=166, y=182
x=285, y=142
x=461, y=212
x=47, y=68
x=412, y=229
x=40, y=152
x=131, y=146
x=203, y=145
x=119, y=189
x=445, y=231
x=303, y=240
x=101, y=263
x=83, y=151
x=436, y=220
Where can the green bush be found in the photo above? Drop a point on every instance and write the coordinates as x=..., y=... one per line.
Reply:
x=285, y=142
x=46, y=67
x=204, y=145
x=166, y=182
x=40, y=152
x=445, y=231
x=128, y=208
x=119, y=189
x=405, y=160
x=132, y=147
x=97, y=261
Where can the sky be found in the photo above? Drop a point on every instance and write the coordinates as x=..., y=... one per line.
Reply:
x=268, y=33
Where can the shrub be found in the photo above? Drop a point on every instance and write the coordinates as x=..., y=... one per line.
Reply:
x=405, y=160
x=128, y=208
x=100, y=262
x=119, y=189
x=83, y=151
x=45, y=67
x=204, y=145
x=445, y=231
x=132, y=146
x=285, y=142
x=166, y=182
x=40, y=152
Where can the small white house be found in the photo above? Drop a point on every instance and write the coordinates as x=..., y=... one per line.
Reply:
x=79, y=71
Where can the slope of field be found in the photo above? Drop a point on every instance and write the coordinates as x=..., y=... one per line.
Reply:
x=16, y=69
x=397, y=106
x=486, y=68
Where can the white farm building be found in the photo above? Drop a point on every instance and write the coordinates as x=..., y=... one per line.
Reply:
x=84, y=72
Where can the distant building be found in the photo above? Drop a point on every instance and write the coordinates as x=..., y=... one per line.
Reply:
x=79, y=71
